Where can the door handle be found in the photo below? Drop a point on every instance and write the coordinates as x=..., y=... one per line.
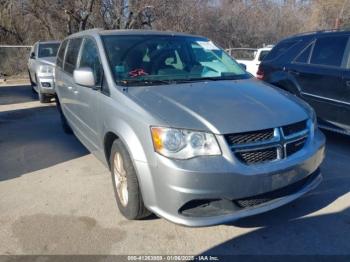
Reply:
x=69, y=88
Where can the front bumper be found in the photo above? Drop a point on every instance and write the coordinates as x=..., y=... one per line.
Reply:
x=205, y=191
x=46, y=83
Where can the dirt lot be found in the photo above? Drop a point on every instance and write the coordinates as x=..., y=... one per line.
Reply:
x=56, y=198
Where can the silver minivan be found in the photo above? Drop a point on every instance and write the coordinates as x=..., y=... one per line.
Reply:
x=186, y=133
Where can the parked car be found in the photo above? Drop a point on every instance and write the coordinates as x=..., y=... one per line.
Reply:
x=250, y=58
x=41, y=66
x=185, y=131
x=316, y=67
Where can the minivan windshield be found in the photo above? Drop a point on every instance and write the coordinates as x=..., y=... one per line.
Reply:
x=48, y=50
x=158, y=59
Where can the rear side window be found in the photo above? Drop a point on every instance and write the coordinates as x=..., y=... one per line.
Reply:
x=280, y=49
x=72, y=55
x=329, y=51
x=303, y=57
x=60, y=55
x=263, y=54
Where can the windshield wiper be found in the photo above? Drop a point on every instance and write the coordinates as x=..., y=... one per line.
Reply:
x=217, y=78
x=127, y=82
x=188, y=80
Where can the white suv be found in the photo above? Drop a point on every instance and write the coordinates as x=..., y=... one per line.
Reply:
x=41, y=64
x=250, y=57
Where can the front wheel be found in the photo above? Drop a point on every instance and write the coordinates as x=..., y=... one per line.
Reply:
x=125, y=183
x=44, y=98
x=32, y=84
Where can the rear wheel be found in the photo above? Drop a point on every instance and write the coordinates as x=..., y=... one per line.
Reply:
x=125, y=183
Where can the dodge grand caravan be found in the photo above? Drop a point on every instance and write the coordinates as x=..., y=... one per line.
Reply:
x=186, y=133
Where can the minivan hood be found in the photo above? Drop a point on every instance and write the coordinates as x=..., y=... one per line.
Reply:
x=221, y=107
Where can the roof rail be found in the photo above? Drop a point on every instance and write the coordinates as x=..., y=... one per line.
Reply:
x=321, y=31
x=86, y=31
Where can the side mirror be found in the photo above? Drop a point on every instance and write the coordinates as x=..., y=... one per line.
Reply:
x=243, y=66
x=84, y=76
x=32, y=55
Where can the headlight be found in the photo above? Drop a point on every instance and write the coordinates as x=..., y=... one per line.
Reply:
x=46, y=69
x=184, y=144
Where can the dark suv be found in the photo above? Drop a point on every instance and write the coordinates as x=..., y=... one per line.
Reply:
x=316, y=67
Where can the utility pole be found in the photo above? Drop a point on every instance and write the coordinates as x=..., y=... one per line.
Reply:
x=338, y=20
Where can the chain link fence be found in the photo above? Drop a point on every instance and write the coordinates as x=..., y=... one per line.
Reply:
x=13, y=61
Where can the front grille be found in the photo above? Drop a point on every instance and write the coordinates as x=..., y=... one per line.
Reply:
x=294, y=128
x=258, y=156
x=244, y=203
x=269, y=196
x=257, y=147
x=250, y=137
x=294, y=147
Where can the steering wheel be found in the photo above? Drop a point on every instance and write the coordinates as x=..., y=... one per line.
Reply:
x=159, y=58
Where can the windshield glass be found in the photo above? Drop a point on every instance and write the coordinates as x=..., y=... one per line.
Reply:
x=48, y=50
x=136, y=59
x=244, y=54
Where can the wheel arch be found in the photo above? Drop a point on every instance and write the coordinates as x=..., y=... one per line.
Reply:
x=138, y=156
x=108, y=140
x=286, y=82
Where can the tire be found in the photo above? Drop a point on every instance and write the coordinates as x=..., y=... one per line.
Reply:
x=65, y=126
x=133, y=208
x=31, y=82
x=44, y=98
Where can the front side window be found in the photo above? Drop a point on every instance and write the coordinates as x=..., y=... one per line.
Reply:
x=48, y=50
x=90, y=58
x=329, y=51
x=138, y=59
x=72, y=55
x=60, y=55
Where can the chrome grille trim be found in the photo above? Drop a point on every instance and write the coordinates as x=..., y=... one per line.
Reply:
x=261, y=145
x=251, y=137
x=278, y=141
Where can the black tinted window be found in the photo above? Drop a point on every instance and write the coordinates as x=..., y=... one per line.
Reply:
x=72, y=55
x=60, y=55
x=280, y=48
x=329, y=51
x=89, y=58
x=263, y=54
x=303, y=57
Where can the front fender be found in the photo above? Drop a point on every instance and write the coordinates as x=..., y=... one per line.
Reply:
x=130, y=139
